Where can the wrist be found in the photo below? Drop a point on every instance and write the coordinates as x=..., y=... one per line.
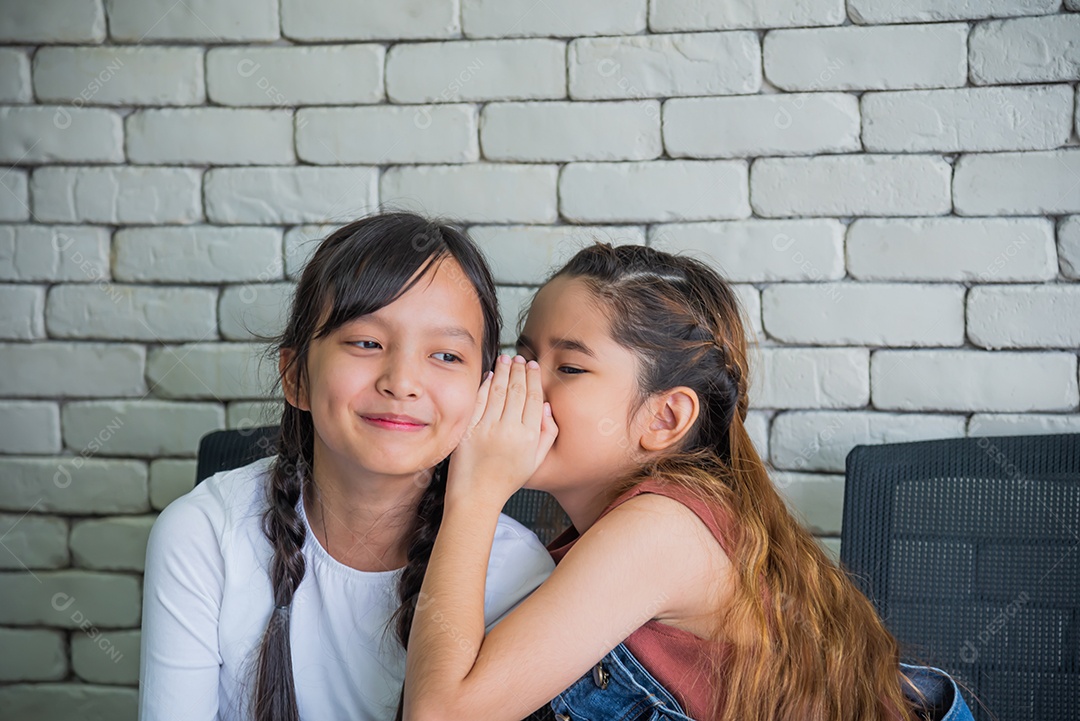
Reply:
x=482, y=498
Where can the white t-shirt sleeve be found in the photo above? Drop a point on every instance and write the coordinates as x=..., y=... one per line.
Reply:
x=519, y=564
x=182, y=591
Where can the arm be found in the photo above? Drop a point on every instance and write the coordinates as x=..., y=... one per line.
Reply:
x=618, y=576
x=180, y=663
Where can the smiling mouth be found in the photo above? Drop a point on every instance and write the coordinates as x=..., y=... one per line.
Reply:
x=395, y=423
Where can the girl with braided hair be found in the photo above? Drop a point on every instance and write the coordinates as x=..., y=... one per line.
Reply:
x=286, y=589
x=684, y=588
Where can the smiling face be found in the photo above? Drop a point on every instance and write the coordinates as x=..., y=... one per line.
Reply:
x=591, y=383
x=390, y=393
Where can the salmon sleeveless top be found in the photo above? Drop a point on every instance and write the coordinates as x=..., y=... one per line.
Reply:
x=678, y=659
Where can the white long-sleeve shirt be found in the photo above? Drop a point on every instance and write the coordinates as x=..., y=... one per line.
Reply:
x=207, y=599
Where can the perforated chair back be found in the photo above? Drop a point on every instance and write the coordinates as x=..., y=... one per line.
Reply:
x=970, y=550
x=225, y=450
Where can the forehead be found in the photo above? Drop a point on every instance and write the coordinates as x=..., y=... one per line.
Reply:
x=567, y=307
x=442, y=297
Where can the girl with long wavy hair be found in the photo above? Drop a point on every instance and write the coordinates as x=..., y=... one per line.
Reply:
x=286, y=589
x=684, y=588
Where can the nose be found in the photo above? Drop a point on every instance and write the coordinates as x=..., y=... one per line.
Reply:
x=399, y=379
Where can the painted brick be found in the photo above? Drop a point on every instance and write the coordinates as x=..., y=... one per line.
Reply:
x=757, y=251
x=867, y=314
x=1024, y=316
x=59, y=134
x=29, y=427
x=656, y=191
x=976, y=249
x=386, y=135
x=44, y=370
x=15, y=84
x=756, y=125
x=219, y=136
x=811, y=378
x=668, y=15
x=480, y=193
x=1069, y=246
x=850, y=185
x=120, y=75
x=149, y=428
x=821, y=440
x=867, y=58
x=24, y=308
x=1026, y=50
x=476, y=70
x=214, y=371
x=117, y=195
x=170, y=478
x=871, y=12
x=31, y=541
x=32, y=654
x=73, y=485
x=255, y=311
x=1035, y=183
x=276, y=196
x=528, y=254
x=552, y=18
x=661, y=66
x=320, y=20
x=207, y=21
x=968, y=119
x=128, y=312
x=111, y=544
x=969, y=380
x=282, y=76
x=567, y=131
x=14, y=196
x=52, y=21
x=201, y=254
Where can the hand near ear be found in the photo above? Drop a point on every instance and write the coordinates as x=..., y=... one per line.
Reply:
x=509, y=436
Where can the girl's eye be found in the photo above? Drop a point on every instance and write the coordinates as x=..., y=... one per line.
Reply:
x=366, y=344
x=448, y=357
x=571, y=370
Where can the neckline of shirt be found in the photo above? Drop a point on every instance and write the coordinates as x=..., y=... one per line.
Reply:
x=322, y=555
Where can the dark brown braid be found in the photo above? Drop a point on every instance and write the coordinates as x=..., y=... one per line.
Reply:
x=356, y=270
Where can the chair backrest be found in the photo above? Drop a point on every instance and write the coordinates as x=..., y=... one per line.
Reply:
x=970, y=550
x=225, y=450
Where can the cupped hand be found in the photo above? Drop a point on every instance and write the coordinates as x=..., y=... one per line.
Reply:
x=510, y=434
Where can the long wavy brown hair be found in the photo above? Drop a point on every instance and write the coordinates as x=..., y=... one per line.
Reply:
x=799, y=642
x=356, y=270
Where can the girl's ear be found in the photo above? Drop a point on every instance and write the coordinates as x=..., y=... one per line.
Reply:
x=293, y=393
x=671, y=416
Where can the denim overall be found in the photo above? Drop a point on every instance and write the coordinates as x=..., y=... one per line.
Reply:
x=620, y=689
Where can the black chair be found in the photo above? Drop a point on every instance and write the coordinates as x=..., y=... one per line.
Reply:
x=225, y=450
x=970, y=550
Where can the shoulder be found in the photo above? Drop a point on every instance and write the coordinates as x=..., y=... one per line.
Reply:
x=519, y=563
x=516, y=544
x=660, y=536
x=217, y=505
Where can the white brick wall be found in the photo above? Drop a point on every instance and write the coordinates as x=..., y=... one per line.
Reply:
x=893, y=188
x=904, y=56
x=653, y=66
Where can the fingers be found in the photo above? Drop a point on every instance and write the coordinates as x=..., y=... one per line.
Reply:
x=482, y=394
x=533, y=413
x=548, y=433
x=516, y=391
x=496, y=399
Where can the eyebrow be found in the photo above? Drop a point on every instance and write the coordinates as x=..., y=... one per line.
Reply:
x=451, y=331
x=455, y=331
x=563, y=343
